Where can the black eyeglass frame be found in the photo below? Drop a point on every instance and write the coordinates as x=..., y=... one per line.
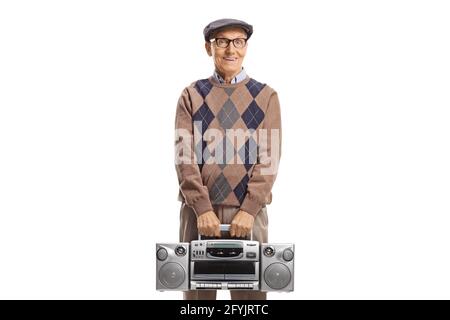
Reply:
x=228, y=42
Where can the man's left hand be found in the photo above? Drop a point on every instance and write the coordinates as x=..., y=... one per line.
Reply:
x=242, y=224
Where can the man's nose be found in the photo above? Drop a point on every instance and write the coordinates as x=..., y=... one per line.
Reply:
x=230, y=48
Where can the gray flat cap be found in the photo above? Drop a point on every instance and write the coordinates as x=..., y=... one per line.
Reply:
x=222, y=23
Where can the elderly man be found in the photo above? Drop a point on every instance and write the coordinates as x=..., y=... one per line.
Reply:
x=228, y=145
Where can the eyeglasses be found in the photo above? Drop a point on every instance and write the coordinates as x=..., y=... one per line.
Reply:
x=238, y=43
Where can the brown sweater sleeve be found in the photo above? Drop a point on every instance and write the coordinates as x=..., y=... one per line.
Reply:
x=265, y=170
x=189, y=177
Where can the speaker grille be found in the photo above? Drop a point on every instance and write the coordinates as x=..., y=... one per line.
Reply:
x=171, y=275
x=277, y=276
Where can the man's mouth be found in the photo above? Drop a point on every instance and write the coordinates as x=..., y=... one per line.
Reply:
x=230, y=59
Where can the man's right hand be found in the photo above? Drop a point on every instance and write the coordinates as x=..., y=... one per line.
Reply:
x=208, y=224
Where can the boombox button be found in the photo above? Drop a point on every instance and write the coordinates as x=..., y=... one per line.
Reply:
x=251, y=255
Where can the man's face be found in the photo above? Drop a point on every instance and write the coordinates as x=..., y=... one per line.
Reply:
x=228, y=61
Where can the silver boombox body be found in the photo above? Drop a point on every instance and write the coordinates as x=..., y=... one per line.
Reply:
x=224, y=264
x=231, y=264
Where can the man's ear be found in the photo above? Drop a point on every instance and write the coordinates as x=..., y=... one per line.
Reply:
x=208, y=48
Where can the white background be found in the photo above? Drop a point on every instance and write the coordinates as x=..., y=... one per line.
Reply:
x=88, y=92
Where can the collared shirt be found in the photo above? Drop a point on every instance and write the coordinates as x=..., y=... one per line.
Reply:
x=238, y=78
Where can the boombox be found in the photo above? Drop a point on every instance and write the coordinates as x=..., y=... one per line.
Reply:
x=231, y=264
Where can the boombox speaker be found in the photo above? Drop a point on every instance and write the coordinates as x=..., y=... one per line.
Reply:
x=172, y=266
x=277, y=267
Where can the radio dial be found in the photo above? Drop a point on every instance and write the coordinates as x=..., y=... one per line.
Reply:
x=288, y=255
x=180, y=251
x=269, y=251
x=162, y=254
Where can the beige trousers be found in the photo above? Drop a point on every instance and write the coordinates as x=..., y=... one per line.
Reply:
x=189, y=232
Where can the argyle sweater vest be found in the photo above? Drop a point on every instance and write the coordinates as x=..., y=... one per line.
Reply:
x=207, y=111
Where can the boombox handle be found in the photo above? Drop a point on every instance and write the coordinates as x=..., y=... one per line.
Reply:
x=226, y=228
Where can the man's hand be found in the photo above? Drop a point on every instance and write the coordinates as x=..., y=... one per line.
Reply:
x=242, y=224
x=208, y=224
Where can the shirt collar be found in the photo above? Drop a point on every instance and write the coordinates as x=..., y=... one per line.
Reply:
x=238, y=78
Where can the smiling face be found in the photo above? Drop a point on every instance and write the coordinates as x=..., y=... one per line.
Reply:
x=228, y=61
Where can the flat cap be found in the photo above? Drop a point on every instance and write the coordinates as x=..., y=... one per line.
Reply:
x=214, y=26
